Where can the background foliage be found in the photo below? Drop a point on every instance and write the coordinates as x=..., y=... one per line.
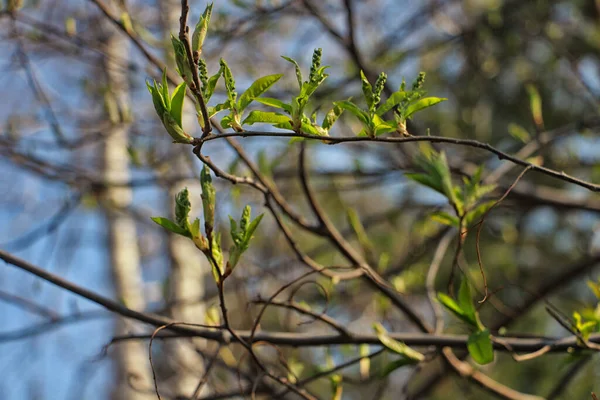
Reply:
x=522, y=77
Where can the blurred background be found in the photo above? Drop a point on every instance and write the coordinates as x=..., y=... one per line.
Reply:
x=85, y=163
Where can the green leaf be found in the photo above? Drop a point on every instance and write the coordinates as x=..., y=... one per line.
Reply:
x=265, y=117
x=201, y=29
x=445, y=218
x=195, y=228
x=354, y=109
x=421, y=104
x=157, y=99
x=177, y=103
x=229, y=82
x=298, y=72
x=465, y=300
x=174, y=130
x=480, y=347
x=275, y=103
x=426, y=180
x=396, y=346
x=171, y=226
x=212, y=84
x=165, y=90
x=395, y=99
x=519, y=133
x=394, y=365
x=367, y=89
x=252, y=227
x=535, y=102
x=208, y=197
x=307, y=127
x=257, y=88
x=226, y=121
x=455, y=309
x=477, y=213
x=380, y=126
x=331, y=117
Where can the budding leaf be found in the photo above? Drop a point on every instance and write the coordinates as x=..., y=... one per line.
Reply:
x=177, y=103
x=480, y=347
x=298, y=72
x=265, y=117
x=201, y=29
x=208, y=197
x=257, y=88
x=242, y=235
x=367, y=89
x=182, y=209
x=395, y=99
x=171, y=226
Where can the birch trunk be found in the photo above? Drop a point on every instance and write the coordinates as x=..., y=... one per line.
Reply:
x=133, y=377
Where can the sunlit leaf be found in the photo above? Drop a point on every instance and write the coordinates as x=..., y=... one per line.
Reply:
x=266, y=117
x=422, y=104
x=257, y=88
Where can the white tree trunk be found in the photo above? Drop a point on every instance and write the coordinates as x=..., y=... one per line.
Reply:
x=133, y=377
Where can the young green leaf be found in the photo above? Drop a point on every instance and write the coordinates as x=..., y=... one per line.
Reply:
x=519, y=133
x=211, y=85
x=174, y=130
x=241, y=236
x=480, y=347
x=257, y=88
x=476, y=214
x=451, y=305
x=229, y=82
x=465, y=300
x=165, y=90
x=265, y=117
x=422, y=104
x=396, y=346
x=268, y=101
x=171, y=226
x=298, y=72
x=201, y=29
x=195, y=228
x=367, y=90
x=354, y=109
x=395, y=99
x=331, y=117
x=445, y=218
x=535, y=102
x=208, y=197
x=177, y=103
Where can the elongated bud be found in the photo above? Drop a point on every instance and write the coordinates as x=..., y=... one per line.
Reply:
x=208, y=198
x=182, y=208
x=379, y=85
x=181, y=59
x=418, y=84
x=201, y=29
x=316, y=63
